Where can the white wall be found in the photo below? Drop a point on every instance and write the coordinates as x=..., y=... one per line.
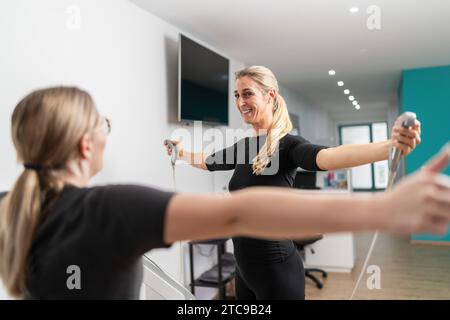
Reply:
x=127, y=59
x=314, y=121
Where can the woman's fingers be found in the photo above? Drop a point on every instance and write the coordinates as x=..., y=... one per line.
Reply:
x=168, y=146
x=435, y=215
x=171, y=144
x=406, y=139
x=410, y=133
x=435, y=225
x=417, y=126
x=404, y=148
x=440, y=162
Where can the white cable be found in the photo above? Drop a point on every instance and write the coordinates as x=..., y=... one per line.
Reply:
x=391, y=178
x=173, y=161
x=369, y=254
x=408, y=119
x=182, y=260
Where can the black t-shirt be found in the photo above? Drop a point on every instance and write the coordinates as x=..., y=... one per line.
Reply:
x=103, y=231
x=293, y=152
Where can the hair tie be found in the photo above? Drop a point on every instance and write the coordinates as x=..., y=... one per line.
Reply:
x=34, y=167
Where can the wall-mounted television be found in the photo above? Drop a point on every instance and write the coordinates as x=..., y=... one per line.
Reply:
x=202, y=84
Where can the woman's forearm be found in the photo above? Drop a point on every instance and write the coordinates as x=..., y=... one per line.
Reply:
x=270, y=213
x=353, y=155
x=194, y=159
x=301, y=215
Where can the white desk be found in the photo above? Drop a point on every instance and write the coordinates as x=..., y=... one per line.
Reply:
x=335, y=252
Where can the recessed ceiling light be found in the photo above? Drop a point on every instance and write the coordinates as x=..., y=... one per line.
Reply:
x=357, y=107
x=354, y=9
x=340, y=83
x=351, y=98
x=331, y=72
x=355, y=103
x=346, y=91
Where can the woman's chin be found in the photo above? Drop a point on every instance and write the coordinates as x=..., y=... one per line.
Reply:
x=248, y=120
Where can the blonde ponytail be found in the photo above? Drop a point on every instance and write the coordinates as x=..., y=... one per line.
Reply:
x=47, y=126
x=281, y=124
x=20, y=216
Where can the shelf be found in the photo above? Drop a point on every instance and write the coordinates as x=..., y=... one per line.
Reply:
x=220, y=244
x=200, y=283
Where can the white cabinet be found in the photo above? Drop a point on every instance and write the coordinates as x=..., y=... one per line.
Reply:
x=335, y=252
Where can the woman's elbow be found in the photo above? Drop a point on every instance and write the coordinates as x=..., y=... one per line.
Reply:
x=323, y=160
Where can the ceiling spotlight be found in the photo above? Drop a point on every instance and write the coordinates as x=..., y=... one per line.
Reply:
x=351, y=98
x=346, y=91
x=331, y=72
x=357, y=107
x=355, y=103
x=354, y=9
x=340, y=83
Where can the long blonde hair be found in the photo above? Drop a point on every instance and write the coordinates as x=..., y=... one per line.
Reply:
x=281, y=124
x=47, y=126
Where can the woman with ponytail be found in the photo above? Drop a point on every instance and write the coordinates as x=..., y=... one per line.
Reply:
x=62, y=239
x=273, y=269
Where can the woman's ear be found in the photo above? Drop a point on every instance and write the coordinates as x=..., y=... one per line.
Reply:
x=272, y=94
x=85, y=146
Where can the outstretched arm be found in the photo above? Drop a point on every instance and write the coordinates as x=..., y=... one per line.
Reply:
x=196, y=160
x=418, y=204
x=352, y=155
x=219, y=161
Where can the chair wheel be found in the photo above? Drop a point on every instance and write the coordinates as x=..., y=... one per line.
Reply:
x=325, y=275
x=319, y=285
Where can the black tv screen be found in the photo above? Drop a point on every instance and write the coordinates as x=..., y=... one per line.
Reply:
x=203, y=84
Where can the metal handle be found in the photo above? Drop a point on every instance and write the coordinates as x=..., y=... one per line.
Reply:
x=174, y=150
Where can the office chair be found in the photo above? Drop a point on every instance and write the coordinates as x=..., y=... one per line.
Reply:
x=301, y=244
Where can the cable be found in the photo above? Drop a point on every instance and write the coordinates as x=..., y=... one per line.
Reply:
x=173, y=161
x=408, y=119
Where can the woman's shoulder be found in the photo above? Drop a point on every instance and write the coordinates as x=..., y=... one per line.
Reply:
x=121, y=189
x=112, y=194
x=290, y=139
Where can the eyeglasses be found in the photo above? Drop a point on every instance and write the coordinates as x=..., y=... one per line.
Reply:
x=108, y=126
x=105, y=126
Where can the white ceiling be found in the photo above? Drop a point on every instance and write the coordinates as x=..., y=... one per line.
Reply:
x=300, y=40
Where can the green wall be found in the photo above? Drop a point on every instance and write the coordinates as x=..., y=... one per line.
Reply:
x=426, y=92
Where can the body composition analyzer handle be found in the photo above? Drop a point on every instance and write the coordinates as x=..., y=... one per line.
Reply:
x=408, y=119
x=174, y=150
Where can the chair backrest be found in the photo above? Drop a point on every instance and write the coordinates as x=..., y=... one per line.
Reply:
x=301, y=243
x=305, y=180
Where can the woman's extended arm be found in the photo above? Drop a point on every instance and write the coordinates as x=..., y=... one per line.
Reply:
x=219, y=161
x=352, y=155
x=194, y=159
x=419, y=204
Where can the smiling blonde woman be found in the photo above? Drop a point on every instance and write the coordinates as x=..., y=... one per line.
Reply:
x=273, y=269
